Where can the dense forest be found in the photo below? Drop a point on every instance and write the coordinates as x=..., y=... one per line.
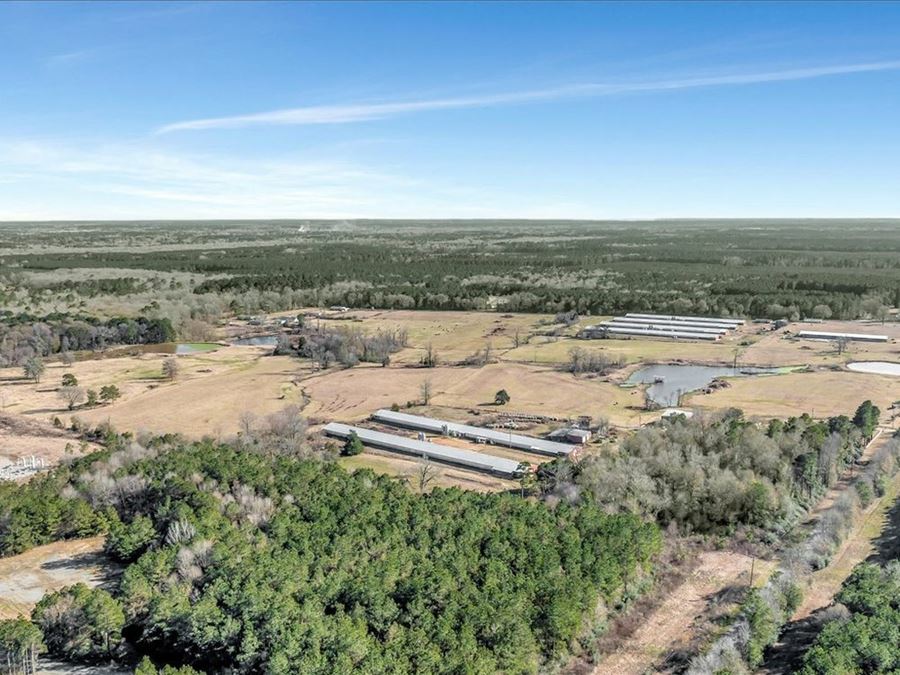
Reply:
x=250, y=558
x=864, y=637
x=24, y=337
x=773, y=269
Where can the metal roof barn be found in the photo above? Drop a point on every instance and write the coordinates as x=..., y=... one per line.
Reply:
x=700, y=319
x=685, y=334
x=479, y=434
x=629, y=323
x=440, y=453
x=687, y=325
x=858, y=337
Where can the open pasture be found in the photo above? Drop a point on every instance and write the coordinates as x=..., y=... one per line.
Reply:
x=214, y=388
x=821, y=393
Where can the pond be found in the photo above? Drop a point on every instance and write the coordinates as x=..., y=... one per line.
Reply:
x=257, y=341
x=195, y=347
x=875, y=367
x=667, y=382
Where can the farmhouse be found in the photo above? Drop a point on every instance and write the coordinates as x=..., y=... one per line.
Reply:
x=477, y=434
x=499, y=466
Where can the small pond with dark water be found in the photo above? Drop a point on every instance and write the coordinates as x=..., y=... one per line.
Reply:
x=667, y=382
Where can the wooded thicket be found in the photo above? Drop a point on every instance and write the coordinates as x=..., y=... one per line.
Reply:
x=256, y=561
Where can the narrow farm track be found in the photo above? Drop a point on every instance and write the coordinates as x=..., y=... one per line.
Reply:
x=675, y=622
x=824, y=584
x=671, y=625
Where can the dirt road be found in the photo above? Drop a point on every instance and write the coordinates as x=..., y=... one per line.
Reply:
x=672, y=625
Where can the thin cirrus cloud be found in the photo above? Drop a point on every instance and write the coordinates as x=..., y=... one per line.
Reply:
x=344, y=114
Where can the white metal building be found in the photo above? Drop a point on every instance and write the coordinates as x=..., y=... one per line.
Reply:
x=500, y=466
x=477, y=434
x=856, y=337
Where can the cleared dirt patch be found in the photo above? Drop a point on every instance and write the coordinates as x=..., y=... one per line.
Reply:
x=22, y=436
x=672, y=625
x=25, y=578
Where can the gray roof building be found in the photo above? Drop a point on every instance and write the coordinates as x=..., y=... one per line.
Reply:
x=477, y=434
x=500, y=466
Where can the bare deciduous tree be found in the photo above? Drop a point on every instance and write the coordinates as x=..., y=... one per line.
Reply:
x=72, y=395
x=425, y=392
x=170, y=369
x=426, y=473
x=430, y=359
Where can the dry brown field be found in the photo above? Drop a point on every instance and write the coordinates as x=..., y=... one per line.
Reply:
x=22, y=436
x=213, y=389
x=822, y=393
x=407, y=468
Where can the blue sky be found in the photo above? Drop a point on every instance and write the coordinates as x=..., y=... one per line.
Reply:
x=289, y=110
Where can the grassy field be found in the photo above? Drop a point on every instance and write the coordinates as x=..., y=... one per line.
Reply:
x=820, y=393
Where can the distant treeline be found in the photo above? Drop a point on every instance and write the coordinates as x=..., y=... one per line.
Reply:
x=93, y=287
x=756, y=269
x=24, y=336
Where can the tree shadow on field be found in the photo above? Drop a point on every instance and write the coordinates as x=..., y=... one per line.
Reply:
x=798, y=636
x=16, y=380
x=76, y=562
x=105, y=572
x=786, y=656
x=56, y=411
x=887, y=545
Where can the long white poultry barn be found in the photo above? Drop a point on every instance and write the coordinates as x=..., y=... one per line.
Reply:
x=477, y=434
x=662, y=325
x=696, y=319
x=602, y=331
x=499, y=466
x=856, y=337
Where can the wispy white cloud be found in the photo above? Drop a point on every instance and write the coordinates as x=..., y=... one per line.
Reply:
x=347, y=113
x=133, y=180
x=71, y=58
x=140, y=181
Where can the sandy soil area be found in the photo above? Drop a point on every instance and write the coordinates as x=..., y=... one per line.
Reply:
x=25, y=578
x=672, y=624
